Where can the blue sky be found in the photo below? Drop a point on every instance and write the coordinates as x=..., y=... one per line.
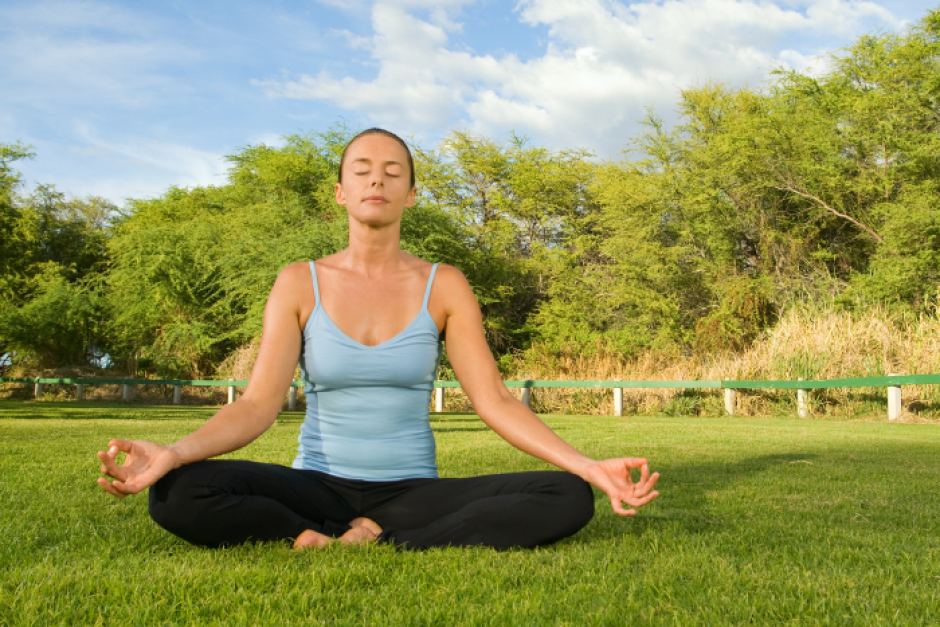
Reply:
x=124, y=99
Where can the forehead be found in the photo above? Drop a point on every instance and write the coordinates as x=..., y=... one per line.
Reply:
x=376, y=147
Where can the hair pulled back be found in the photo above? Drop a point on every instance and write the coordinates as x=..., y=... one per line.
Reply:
x=379, y=131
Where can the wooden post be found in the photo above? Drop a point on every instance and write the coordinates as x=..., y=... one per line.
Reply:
x=291, y=398
x=231, y=394
x=801, y=402
x=894, y=401
x=729, y=401
x=527, y=397
x=38, y=389
x=618, y=401
x=79, y=391
x=439, y=400
x=127, y=392
x=177, y=394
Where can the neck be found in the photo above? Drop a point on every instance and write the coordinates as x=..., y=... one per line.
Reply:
x=373, y=252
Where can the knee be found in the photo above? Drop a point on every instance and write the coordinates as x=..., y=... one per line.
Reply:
x=173, y=501
x=577, y=500
x=163, y=501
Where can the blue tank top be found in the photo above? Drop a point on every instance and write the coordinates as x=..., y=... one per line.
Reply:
x=367, y=406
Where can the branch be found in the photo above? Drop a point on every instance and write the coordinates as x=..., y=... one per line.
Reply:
x=822, y=203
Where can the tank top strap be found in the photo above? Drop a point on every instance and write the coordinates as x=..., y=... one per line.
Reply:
x=313, y=277
x=427, y=290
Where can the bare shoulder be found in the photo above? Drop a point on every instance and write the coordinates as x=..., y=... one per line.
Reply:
x=293, y=275
x=292, y=288
x=455, y=289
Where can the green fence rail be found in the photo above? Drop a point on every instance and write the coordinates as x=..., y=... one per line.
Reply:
x=892, y=383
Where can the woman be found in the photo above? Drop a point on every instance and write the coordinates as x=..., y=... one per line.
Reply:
x=365, y=469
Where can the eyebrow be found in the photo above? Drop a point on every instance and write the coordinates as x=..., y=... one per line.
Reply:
x=369, y=161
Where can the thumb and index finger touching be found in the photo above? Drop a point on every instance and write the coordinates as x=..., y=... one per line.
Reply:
x=120, y=486
x=640, y=491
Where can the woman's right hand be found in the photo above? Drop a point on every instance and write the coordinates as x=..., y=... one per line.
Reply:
x=145, y=463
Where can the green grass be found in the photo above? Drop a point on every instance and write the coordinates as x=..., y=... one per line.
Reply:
x=760, y=520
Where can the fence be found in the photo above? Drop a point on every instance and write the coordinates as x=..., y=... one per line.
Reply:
x=892, y=383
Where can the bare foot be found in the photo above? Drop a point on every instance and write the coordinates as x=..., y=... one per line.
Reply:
x=361, y=531
x=309, y=538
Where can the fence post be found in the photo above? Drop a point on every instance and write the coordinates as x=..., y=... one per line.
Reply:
x=439, y=400
x=38, y=389
x=231, y=394
x=177, y=394
x=894, y=401
x=618, y=401
x=79, y=392
x=527, y=396
x=291, y=398
x=127, y=392
x=801, y=398
x=729, y=401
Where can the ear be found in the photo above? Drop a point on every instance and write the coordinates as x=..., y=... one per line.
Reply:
x=412, y=196
x=340, y=194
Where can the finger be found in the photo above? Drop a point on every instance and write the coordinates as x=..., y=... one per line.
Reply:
x=110, y=465
x=128, y=487
x=620, y=510
x=645, y=486
x=644, y=477
x=631, y=463
x=107, y=487
x=641, y=501
x=122, y=445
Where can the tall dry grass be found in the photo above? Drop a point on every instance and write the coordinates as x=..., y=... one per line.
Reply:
x=805, y=343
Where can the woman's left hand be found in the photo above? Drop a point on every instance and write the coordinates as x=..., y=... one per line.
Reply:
x=613, y=477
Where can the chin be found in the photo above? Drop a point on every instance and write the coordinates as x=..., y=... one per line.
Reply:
x=373, y=220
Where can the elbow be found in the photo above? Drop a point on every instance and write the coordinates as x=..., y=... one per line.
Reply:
x=496, y=405
x=260, y=413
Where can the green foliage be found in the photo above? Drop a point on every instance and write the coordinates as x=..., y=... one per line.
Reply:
x=52, y=256
x=815, y=190
x=745, y=310
x=61, y=324
x=905, y=270
x=819, y=189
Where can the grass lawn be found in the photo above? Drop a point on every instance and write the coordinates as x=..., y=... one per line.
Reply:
x=760, y=520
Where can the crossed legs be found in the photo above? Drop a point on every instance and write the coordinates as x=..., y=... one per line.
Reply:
x=223, y=502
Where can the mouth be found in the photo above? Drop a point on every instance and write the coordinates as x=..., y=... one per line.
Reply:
x=374, y=199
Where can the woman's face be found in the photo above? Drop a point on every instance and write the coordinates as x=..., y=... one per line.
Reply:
x=376, y=184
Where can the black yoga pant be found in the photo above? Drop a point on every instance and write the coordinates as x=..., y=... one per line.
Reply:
x=224, y=502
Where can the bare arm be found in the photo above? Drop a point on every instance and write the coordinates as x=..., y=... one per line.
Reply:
x=237, y=424
x=476, y=370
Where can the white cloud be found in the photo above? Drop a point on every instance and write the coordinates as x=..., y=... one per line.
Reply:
x=811, y=64
x=603, y=65
x=846, y=17
x=85, y=51
x=352, y=40
x=152, y=162
x=274, y=140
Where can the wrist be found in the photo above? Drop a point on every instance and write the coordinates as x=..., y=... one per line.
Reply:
x=580, y=466
x=179, y=458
